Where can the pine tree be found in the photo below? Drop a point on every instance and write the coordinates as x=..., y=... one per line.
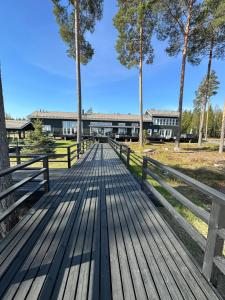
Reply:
x=210, y=122
x=76, y=18
x=212, y=88
x=176, y=23
x=208, y=40
x=218, y=115
x=39, y=141
x=135, y=23
x=207, y=89
x=222, y=131
x=186, y=121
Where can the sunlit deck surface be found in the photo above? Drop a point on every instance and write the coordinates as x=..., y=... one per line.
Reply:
x=96, y=235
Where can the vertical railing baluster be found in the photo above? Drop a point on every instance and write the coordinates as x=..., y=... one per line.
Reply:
x=214, y=244
x=128, y=157
x=144, y=175
x=18, y=158
x=69, y=157
x=78, y=150
x=83, y=147
x=46, y=174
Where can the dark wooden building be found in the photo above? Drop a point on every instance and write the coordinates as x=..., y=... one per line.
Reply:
x=18, y=128
x=118, y=126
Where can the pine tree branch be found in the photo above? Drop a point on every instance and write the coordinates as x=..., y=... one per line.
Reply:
x=181, y=25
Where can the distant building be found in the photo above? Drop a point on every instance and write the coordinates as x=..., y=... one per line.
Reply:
x=119, y=126
x=18, y=128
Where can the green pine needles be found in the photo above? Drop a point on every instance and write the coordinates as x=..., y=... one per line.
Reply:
x=90, y=11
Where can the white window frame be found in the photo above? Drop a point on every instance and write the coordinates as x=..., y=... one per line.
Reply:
x=46, y=128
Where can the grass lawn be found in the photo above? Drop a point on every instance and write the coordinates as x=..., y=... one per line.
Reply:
x=205, y=165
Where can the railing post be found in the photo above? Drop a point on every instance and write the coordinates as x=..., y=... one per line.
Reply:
x=120, y=151
x=83, y=147
x=214, y=244
x=78, y=150
x=69, y=157
x=128, y=157
x=46, y=174
x=144, y=167
x=18, y=159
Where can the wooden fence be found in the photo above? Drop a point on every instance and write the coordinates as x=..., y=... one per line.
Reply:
x=39, y=183
x=213, y=245
x=71, y=152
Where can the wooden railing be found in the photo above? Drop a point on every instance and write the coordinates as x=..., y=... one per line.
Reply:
x=39, y=182
x=71, y=152
x=213, y=245
x=122, y=150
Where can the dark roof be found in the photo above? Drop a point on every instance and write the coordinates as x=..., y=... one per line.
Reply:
x=102, y=117
x=93, y=116
x=162, y=113
x=17, y=124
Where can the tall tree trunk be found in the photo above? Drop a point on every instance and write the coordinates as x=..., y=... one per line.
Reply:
x=141, y=87
x=6, y=181
x=202, y=119
x=182, y=76
x=78, y=72
x=222, y=131
x=207, y=120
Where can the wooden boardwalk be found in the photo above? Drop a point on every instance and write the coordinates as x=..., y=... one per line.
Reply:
x=96, y=235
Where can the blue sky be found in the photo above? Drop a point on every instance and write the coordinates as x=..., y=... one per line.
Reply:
x=37, y=74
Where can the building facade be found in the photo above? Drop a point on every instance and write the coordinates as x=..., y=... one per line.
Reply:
x=119, y=126
x=18, y=128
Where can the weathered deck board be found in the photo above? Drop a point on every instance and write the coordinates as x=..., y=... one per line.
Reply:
x=97, y=236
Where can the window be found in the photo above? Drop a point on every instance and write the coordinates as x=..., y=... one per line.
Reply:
x=167, y=133
x=121, y=124
x=122, y=131
x=46, y=128
x=99, y=131
x=165, y=121
x=69, y=127
x=135, y=125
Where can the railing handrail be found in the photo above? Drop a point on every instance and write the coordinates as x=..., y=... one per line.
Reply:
x=22, y=165
x=40, y=183
x=207, y=190
x=117, y=143
x=44, y=147
x=121, y=151
x=213, y=245
x=69, y=154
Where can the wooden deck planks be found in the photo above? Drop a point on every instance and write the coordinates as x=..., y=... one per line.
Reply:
x=97, y=236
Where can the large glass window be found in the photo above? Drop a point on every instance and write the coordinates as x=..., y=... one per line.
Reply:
x=101, y=131
x=167, y=133
x=122, y=131
x=69, y=127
